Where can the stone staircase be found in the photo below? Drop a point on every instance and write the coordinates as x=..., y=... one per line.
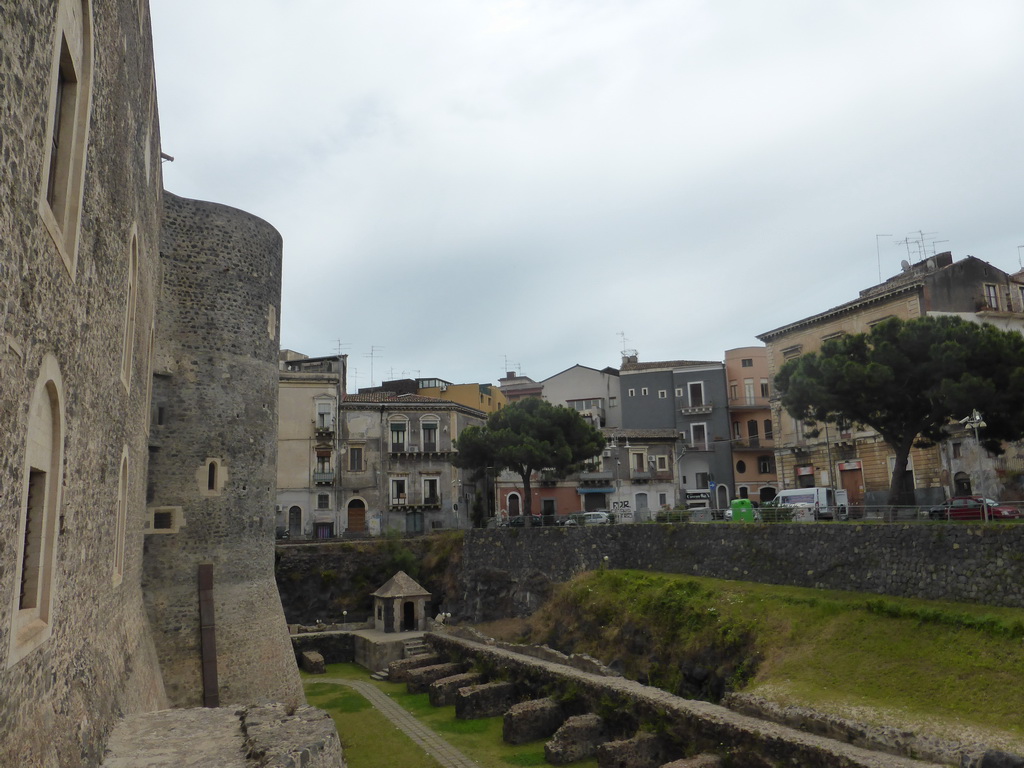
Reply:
x=415, y=647
x=410, y=649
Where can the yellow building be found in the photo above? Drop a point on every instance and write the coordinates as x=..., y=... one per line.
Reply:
x=859, y=461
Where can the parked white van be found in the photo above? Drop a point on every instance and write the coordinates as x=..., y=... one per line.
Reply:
x=814, y=503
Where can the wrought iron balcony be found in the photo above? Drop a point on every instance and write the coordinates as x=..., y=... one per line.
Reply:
x=323, y=478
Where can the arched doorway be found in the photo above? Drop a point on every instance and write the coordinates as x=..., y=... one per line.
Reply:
x=357, y=516
x=295, y=522
x=513, y=505
x=722, y=501
x=961, y=484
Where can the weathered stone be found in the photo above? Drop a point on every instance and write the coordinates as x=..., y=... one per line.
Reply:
x=442, y=692
x=312, y=662
x=484, y=700
x=577, y=739
x=278, y=737
x=398, y=671
x=532, y=720
x=418, y=680
x=645, y=750
x=700, y=761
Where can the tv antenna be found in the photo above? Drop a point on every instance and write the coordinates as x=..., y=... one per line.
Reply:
x=372, y=354
x=339, y=346
x=878, y=255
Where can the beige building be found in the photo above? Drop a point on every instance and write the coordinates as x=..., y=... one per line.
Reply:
x=309, y=392
x=750, y=414
x=859, y=461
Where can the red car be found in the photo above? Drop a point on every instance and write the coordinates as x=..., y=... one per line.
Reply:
x=971, y=508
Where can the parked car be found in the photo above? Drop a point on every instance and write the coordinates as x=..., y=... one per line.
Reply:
x=523, y=521
x=589, y=518
x=972, y=508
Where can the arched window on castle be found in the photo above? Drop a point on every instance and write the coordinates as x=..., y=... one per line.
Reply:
x=60, y=202
x=34, y=562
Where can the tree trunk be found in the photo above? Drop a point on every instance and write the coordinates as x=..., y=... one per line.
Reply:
x=897, y=495
x=527, y=497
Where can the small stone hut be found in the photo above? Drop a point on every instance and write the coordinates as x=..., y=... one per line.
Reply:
x=400, y=605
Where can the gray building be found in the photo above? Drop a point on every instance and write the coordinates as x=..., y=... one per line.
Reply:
x=396, y=469
x=690, y=398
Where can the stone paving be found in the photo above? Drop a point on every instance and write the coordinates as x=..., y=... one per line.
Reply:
x=447, y=755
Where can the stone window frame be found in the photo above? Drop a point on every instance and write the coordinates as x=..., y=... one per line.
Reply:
x=212, y=468
x=121, y=518
x=430, y=422
x=62, y=179
x=131, y=306
x=356, y=450
x=156, y=517
x=38, y=520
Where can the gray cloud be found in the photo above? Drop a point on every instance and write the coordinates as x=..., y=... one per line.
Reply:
x=461, y=181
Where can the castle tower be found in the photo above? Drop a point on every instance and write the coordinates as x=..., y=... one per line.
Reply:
x=208, y=574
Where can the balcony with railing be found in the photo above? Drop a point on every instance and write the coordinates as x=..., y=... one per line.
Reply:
x=697, y=408
x=323, y=477
x=752, y=403
x=754, y=443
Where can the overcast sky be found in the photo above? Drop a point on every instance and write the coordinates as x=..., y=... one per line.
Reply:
x=466, y=185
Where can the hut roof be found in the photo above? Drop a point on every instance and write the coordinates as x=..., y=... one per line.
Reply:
x=401, y=585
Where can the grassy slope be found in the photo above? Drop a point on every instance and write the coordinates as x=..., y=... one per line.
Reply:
x=360, y=727
x=948, y=668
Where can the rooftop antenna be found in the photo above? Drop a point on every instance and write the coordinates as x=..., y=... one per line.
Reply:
x=1018, y=256
x=372, y=354
x=878, y=255
x=626, y=351
x=937, y=241
x=339, y=346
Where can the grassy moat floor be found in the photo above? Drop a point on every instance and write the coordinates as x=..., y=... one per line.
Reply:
x=371, y=741
x=952, y=670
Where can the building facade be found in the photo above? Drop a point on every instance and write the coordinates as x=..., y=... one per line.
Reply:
x=753, y=436
x=858, y=460
x=396, y=470
x=309, y=392
x=592, y=393
x=688, y=397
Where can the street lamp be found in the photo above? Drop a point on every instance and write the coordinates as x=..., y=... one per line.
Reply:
x=975, y=422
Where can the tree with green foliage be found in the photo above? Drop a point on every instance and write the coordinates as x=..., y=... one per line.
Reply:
x=909, y=380
x=528, y=436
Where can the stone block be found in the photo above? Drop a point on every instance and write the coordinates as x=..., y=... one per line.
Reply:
x=484, y=700
x=644, y=750
x=442, y=692
x=312, y=662
x=398, y=671
x=700, y=761
x=418, y=680
x=532, y=720
x=577, y=739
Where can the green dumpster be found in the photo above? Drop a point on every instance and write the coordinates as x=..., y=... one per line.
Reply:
x=743, y=511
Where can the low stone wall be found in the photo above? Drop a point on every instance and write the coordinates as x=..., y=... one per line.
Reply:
x=511, y=572
x=335, y=647
x=686, y=726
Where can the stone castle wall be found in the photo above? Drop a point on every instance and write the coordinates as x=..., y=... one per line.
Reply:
x=59, y=701
x=511, y=572
x=217, y=391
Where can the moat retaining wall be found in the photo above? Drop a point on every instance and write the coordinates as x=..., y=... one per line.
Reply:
x=512, y=572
